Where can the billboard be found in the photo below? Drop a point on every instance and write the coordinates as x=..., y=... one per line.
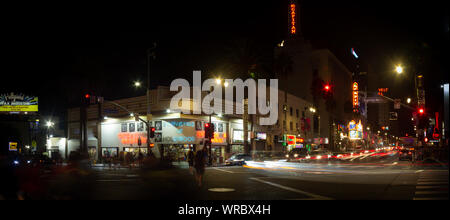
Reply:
x=18, y=103
x=355, y=130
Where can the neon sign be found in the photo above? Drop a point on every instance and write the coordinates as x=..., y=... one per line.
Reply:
x=354, y=53
x=381, y=91
x=290, y=139
x=355, y=97
x=293, y=19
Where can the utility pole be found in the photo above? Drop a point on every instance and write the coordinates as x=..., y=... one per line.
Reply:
x=150, y=55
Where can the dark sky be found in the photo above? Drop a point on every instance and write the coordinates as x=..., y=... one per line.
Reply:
x=62, y=51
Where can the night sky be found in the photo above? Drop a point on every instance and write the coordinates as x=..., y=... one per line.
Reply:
x=61, y=51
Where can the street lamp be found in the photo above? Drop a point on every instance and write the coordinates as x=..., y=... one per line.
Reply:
x=50, y=124
x=137, y=84
x=409, y=100
x=399, y=69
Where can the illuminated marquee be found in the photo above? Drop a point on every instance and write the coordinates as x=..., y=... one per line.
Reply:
x=293, y=18
x=218, y=137
x=127, y=138
x=355, y=97
x=355, y=130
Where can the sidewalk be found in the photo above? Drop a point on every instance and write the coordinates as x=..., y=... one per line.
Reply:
x=185, y=165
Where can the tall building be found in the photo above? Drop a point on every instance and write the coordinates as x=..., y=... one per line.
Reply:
x=298, y=64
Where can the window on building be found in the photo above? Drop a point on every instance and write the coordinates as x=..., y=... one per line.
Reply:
x=303, y=114
x=296, y=126
x=316, y=124
x=296, y=111
x=290, y=109
x=291, y=126
x=284, y=125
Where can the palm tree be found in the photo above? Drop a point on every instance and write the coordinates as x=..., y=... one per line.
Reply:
x=243, y=59
x=283, y=66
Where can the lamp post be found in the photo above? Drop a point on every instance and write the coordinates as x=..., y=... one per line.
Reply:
x=150, y=55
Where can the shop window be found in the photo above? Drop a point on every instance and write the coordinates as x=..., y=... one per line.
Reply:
x=124, y=127
x=132, y=127
x=316, y=124
x=140, y=126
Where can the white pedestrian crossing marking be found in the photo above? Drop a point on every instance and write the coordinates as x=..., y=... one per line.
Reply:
x=432, y=186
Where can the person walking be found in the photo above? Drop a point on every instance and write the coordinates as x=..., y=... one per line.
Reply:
x=190, y=159
x=199, y=165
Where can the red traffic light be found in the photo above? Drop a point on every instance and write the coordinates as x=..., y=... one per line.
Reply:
x=421, y=111
x=206, y=125
x=327, y=87
x=153, y=129
x=87, y=96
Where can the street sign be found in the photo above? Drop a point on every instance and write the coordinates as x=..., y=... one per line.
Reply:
x=12, y=146
x=393, y=116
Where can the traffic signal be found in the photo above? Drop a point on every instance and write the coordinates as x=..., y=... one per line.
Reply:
x=327, y=91
x=152, y=132
x=92, y=100
x=421, y=111
x=209, y=130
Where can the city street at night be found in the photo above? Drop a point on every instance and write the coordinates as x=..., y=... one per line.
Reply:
x=225, y=109
x=378, y=179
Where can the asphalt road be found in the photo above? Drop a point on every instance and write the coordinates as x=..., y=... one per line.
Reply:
x=383, y=179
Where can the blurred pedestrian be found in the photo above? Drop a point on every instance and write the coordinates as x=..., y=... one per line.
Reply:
x=190, y=159
x=199, y=165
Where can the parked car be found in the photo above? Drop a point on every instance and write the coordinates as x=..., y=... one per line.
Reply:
x=238, y=160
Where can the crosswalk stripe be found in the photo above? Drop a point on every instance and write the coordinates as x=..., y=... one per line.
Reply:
x=431, y=187
x=441, y=198
x=430, y=192
x=432, y=183
x=430, y=180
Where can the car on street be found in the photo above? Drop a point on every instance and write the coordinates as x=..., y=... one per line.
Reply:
x=405, y=155
x=238, y=160
x=297, y=154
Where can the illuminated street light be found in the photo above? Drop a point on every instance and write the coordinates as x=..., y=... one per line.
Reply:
x=409, y=100
x=399, y=69
x=313, y=110
x=226, y=84
x=218, y=81
x=137, y=84
x=50, y=124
